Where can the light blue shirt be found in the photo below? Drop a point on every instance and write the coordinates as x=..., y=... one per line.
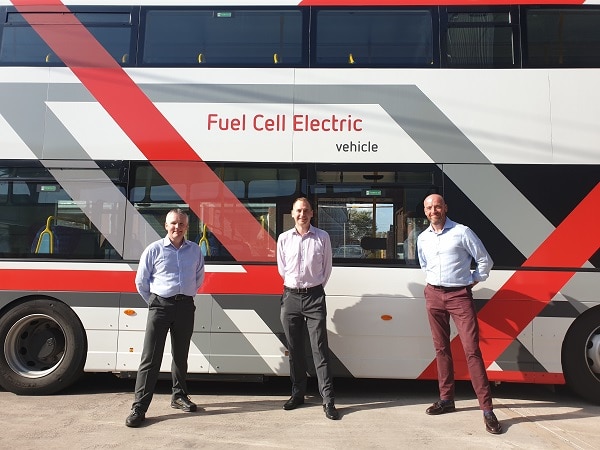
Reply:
x=167, y=271
x=446, y=257
x=304, y=261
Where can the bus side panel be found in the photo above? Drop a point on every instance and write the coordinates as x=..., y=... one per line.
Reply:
x=133, y=314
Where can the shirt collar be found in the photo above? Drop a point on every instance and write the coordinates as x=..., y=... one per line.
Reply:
x=310, y=230
x=167, y=241
x=447, y=225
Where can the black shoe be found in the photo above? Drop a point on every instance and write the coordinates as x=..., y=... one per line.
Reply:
x=184, y=404
x=491, y=423
x=136, y=417
x=293, y=403
x=330, y=411
x=441, y=407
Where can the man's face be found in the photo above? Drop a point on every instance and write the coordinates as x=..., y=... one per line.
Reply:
x=435, y=209
x=176, y=226
x=302, y=213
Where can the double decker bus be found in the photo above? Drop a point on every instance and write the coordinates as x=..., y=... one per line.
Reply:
x=113, y=113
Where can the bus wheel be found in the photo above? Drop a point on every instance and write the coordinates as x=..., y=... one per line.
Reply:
x=581, y=355
x=44, y=347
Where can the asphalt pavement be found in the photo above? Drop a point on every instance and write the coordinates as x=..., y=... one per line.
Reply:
x=375, y=414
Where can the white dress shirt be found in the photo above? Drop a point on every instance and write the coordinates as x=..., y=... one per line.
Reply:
x=446, y=256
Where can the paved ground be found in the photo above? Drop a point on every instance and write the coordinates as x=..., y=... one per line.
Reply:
x=375, y=414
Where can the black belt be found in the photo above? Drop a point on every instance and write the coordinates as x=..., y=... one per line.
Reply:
x=447, y=288
x=304, y=290
x=178, y=297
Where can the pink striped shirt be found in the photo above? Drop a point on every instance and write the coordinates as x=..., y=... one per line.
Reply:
x=304, y=261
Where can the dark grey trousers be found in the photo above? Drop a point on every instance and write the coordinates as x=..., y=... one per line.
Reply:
x=164, y=315
x=300, y=312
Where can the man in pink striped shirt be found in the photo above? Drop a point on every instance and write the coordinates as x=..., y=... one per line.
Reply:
x=304, y=262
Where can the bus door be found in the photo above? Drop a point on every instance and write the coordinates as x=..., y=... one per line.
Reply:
x=371, y=215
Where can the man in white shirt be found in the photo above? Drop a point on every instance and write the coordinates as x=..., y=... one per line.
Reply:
x=446, y=250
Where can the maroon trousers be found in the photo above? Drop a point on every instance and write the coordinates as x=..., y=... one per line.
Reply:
x=443, y=303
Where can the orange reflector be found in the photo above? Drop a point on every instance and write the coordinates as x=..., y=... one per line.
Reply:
x=130, y=312
x=130, y=349
x=386, y=317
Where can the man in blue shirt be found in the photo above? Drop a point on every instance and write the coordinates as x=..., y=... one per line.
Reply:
x=446, y=250
x=170, y=272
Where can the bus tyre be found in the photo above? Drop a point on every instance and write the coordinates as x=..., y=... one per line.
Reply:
x=44, y=347
x=581, y=355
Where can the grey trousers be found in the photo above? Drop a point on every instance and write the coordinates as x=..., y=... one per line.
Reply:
x=300, y=312
x=164, y=314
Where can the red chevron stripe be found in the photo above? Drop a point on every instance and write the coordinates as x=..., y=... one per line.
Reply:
x=526, y=293
x=255, y=280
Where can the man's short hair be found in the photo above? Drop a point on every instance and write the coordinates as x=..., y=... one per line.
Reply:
x=179, y=211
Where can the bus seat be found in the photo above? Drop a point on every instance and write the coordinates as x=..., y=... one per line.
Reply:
x=373, y=243
x=203, y=243
x=52, y=239
x=66, y=239
x=44, y=239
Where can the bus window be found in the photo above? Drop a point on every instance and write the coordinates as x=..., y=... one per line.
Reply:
x=358, y=228
x=480, y=38
x=259, y=189
x=41, y=220
x=227, y=37
x=21, y=44
x=562, y=37
x=374, y=37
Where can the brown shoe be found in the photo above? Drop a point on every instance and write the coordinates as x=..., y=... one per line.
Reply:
x=491, y=423
x=441, y=407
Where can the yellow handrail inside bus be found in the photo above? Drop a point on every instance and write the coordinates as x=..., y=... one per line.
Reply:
x=124, y=58
x=350, y=58
x=48, y=57
x=45, y=243
x=200, y=58
x=275, y=58
x=203, y=243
